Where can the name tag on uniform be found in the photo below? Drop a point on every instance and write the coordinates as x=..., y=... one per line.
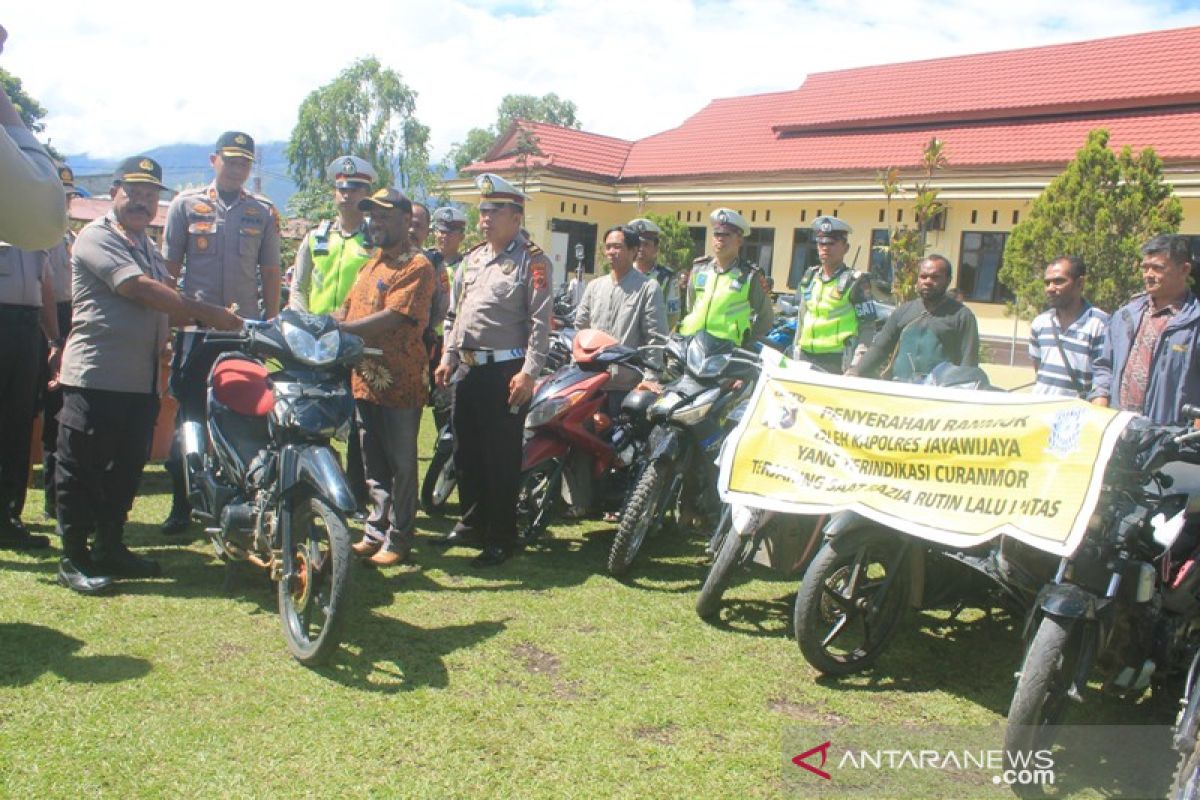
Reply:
x=701, y=279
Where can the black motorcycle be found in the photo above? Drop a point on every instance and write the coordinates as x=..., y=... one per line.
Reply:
x=690, y=420
x=1127, y=602
x=262, y=475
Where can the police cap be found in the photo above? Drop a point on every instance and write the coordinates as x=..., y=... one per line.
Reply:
x=139, y=169
x=494, y=192
x=235, y=144
x=646, y=229
x=448, y=218
x=386, y=198
x=726, y=220
x=348, y=172
x=830, y=228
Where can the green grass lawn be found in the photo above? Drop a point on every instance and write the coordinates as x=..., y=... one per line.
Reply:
x=541, y=678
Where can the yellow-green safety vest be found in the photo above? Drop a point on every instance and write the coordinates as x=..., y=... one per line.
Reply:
x=335, y=269
x=829, y=316
x=722, y=304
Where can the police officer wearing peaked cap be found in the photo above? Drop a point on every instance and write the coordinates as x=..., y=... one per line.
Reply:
x=449, y=229
x=646, y=261
x=494, y=350
x=835, y=320
x=727, y=295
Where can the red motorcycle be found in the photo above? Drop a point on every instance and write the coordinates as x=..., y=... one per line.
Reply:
x=585, y=429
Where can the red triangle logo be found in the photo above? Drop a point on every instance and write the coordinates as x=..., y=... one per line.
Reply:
x=800, y=761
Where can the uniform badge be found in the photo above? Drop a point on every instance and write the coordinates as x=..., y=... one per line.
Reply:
x=202, y=208
x=251, y=211
x=487, y=187
x=146, y=164
x=201, y=242
x=507, y=266
x=540, y=281
x=240, y=139
x=348, y=167
x=701, y=279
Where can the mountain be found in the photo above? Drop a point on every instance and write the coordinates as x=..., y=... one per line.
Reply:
x=187, y=165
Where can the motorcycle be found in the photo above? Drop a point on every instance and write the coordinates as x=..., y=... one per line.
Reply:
x=690, y=420
x=261, y=474
x=859, y=584
x=584, y=433
x=1127, y=602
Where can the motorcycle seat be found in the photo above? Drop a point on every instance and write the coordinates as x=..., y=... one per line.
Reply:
x=242, y=386
x=589, y=343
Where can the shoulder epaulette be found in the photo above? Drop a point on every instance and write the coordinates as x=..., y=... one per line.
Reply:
x=322, y=229
x=475, y=247
x=262, y=198
x=702, y=259
x=533, y=249
x=193, y=190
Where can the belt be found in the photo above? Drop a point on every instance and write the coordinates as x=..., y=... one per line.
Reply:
x=477, y=358
x=16, y=310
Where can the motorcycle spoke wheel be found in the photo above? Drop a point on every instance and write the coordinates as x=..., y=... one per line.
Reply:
x=641, y=516
x=313, y=592
x=851, y=600
x=535, y=500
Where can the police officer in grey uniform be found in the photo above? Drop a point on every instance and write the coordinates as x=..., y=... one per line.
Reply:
x=27, y=320
x=647, y=263
x=121, y=303
x=494, y=349
x=222, y=244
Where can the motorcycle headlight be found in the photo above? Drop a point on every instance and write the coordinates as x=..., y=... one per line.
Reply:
x=694, y=411
x=550, y=408
x=307, y=348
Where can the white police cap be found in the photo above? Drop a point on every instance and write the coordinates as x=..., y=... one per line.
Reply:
x=495, y=191
x=347, y=171
x=448, y=218
x=645, y=228
x=830, y=227
x=728, y=218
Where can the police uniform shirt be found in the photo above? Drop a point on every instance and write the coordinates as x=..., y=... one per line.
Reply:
x=222, y=247
x=502, y=302
x=114, y=342
x=860, y=298
x=33, y=207
x=629, y=310
x=667, y=281
x=707, y=271
x=303, y=274
x=58, y=262
x=21, y=276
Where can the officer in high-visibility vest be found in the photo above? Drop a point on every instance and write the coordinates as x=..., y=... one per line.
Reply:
x=727, y=295
x=329, y=258
x=835, y=320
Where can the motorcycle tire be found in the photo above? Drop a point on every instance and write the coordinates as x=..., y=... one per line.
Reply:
x=540, y=486
x=858, y=586
x=313, y=601
x=641, y=516
x=732, y=550
x=1040, y=698
x=1186, y=783
x=439, y=483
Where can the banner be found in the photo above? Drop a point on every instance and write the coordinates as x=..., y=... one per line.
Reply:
x=954, y=466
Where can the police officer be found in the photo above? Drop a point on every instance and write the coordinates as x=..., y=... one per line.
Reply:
x=120, y=309
x=59, y=263
x=835, y=320
x=728, y=295
x=494, y=349
x=647, y=263
x=449, y=230
x=26, y=299
x=222, y=244
x=331, y=254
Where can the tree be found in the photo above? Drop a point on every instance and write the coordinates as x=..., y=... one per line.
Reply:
x=907, y=244
x=548, y=108
x=675, y=245
x=30, y=110
x=1102, y=207
x=367, y=111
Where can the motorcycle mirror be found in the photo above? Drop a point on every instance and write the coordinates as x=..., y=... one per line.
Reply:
x=579, y=252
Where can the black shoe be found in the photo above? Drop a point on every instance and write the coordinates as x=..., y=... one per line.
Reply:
x=461, y=537
x=492, y=556
x=77, y=580
x=176, y=523
x=15, y=536
x=120, y=562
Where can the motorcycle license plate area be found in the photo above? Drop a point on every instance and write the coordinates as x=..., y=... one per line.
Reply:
x=953, y=466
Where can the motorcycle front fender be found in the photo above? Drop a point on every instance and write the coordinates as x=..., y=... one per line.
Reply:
x=317, y=467
x=1068, y=601
x=542, y=448
x=666, y=444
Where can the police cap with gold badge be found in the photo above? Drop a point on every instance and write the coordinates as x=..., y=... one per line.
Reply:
x=448, y=219
x=386, y=198
x=495, y=192
x=235, y=144
x=139, y=169
x=348, y=172
x=726, y=220
x=828, y=229
x=645, y=229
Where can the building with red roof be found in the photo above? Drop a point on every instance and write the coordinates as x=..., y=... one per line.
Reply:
x=1009, y=121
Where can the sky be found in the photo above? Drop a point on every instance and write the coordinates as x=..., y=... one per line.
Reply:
x=124, y=76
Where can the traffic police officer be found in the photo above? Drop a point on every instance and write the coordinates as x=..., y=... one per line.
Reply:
x=727, y=295
x=835, y=320
x=647, y=263
x=329, y=258
x=26, y=298
x=494, y=350
x=121, y=304
x=222, y=244
x=449, y=230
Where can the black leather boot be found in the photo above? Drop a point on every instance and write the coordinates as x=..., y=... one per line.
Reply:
x=76, y=570
x=117, y=560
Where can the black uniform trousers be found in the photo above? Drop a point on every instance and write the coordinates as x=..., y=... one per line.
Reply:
x=488, y=439
x=103, y=442
x=21, y=343
x=51, y=405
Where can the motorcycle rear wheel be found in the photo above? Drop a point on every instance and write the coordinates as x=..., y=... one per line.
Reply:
x=642, y=515
x=314, y=591
x=1186, y=783
x=1040, y=698
x=732, y=550
x=853, y=595
x=540, y=486
x=439, y=483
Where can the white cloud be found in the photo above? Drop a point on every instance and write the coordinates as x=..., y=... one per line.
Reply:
x=157, y=73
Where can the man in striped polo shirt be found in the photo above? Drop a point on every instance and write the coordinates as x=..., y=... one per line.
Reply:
x=1066, y=339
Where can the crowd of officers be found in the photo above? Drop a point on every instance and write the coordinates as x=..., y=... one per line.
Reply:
x=475, y=324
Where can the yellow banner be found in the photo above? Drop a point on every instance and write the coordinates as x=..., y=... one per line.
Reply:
x=954, y=466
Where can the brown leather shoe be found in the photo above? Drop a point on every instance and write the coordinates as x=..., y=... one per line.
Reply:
x=390, y=558
x=366, y=548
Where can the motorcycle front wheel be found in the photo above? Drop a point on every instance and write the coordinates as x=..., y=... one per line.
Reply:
x=314, y=589
x=540, y=485
x=440, y=480
x=642, y=515
x=853, y=595
x=1040, y=699
x=731, y=550
x=1186, y=784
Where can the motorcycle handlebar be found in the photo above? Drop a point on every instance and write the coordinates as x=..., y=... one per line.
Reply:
x=1190, y=411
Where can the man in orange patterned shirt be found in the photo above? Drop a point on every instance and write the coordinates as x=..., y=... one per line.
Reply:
x=388, y=306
